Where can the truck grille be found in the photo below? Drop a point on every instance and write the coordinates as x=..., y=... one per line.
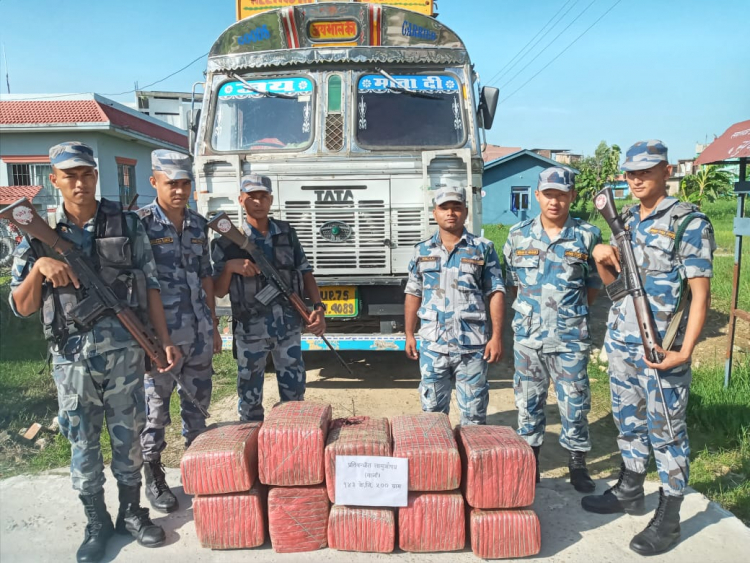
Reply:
x=365, y=250
x=410, y=225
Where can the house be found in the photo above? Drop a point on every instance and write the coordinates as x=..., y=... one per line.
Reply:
x=509, y=184
x=170, y=107
x=493, y=152
x=121, y=137
x=561, y=156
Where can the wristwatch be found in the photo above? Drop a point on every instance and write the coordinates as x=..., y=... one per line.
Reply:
x=320, y=305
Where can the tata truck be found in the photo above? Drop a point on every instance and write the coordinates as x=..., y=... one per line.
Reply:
x=357, y=111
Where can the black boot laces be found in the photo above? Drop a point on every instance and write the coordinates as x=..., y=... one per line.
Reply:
x=661, y=511
x=94, y=524
x=160, y=477
x=616, y=486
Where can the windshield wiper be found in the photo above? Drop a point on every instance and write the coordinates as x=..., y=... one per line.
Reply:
x=264, y=93
x=396, y=88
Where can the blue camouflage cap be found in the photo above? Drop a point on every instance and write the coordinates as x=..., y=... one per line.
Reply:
x=644, y=155
x=255, y=183
x=557, y=178
x=71, y=154
x=444, y=195
x=175, y=165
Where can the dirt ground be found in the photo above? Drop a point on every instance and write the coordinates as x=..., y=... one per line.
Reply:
x=385, y=384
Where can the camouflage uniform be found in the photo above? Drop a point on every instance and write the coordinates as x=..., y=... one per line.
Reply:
x=636, y=403
x=98, y=373
x=274, y=329
x=454, y=328
x=182, y=260
x=551, y=325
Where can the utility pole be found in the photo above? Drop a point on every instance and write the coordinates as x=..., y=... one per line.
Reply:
x=7, y=73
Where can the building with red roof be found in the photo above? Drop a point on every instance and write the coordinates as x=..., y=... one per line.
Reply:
x=121, y=137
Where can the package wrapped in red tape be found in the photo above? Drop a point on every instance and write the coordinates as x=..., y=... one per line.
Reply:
x=298, y=518
x=432, y=522
x=355, y=436
x=233, y=521
x=427, y=441
x=370, y=530
x=222, y=460
x=291, y=444
x=504, y=534
x=498, y=467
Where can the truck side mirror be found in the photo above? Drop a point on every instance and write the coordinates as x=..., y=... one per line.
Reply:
x=194, y=119
x=488, y=99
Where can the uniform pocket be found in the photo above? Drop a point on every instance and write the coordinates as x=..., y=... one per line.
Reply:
x=574, y=270
x=430, y=272
x=524, y=322
x=428, y=326
x=473, y=328
x=573, y=323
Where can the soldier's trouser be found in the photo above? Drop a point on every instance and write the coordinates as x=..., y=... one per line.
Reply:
x=251, y=367
x=195, y=371
x=111, y=385
x=534, y=369
x=468, y=370
x=639, y=414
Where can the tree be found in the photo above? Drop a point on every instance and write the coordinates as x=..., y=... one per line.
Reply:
x=708, y=185
x=596, y=172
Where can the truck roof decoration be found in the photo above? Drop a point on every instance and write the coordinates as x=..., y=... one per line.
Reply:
x=247, y=8
x=335, y=32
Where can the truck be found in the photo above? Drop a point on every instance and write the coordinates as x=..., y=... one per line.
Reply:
x=357, y=112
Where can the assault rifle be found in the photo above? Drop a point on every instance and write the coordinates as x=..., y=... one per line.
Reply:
x=276, y=285
x=629, y=283
x=100, y=299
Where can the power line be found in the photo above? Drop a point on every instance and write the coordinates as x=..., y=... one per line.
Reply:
x=527, y=65
x=499, y=74
x=191, y=63
x=560, y=53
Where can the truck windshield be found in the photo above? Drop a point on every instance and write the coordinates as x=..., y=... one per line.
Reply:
x=415, y=111
x=264, y=115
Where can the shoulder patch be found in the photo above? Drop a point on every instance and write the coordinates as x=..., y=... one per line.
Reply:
x=144, y=212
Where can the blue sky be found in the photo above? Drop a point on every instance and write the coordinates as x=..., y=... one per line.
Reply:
x=677, y=70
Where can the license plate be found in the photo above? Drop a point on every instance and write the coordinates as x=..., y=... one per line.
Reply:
x=340, y=300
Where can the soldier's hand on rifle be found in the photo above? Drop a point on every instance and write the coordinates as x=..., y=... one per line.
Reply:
x=58, y=273
x=317, y=322
x=607, y=255
x=493, y=351
x=245, y=268
x=672, y=359
x=173, y=357
x=411, y=348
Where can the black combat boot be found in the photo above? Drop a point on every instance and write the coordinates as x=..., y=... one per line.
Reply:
x=536, y=462
x=663, y=532
x=157, y=490
x=133, y=519
x=98, y=530
x=579, y=474
x=626, y=496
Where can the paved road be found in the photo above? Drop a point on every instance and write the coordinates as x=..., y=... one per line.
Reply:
x=41, y=520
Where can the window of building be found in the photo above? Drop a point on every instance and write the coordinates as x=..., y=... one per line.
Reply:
x=519, y=198
x=126, y=180
x=33, y=174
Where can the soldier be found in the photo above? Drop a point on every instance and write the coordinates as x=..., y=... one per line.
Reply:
x=179, y=242
x=673, y=244
x=454, y=278
x=553, y=276
x=98, y=370
x=258, y=328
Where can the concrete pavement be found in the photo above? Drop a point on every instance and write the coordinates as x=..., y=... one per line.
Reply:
x=42, y=520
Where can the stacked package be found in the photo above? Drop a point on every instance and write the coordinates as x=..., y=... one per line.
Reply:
x=434, y=518
x=290, y=458
x=362, y=529
x=499, y=478
x=221, y=468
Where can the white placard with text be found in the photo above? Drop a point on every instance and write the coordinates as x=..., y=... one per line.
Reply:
x=372, y=480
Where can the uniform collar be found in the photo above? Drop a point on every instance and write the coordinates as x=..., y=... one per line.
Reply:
x=538, y=232
x=273, y=229
x=436, y=241
x=161, y=216
x=61, y=218
x=664, y=205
